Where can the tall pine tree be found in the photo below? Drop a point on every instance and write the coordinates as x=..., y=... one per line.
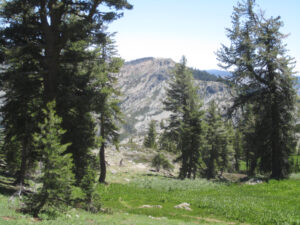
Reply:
x=57, y=36
x=105, y=100
x=186, y=120
x=262, y=74
x=218, y=146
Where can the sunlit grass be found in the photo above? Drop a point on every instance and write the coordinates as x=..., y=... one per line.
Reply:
x=275, y=202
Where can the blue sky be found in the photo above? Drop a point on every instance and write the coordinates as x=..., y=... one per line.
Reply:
x=194, y=28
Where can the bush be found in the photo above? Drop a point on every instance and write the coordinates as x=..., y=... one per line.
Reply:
x=91, y=198
x=159, y=161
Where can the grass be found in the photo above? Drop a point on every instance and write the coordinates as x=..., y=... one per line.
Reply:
x=79, y=217
x=276, y=202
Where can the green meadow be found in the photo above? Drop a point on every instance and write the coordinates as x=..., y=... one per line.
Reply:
x=152, y=199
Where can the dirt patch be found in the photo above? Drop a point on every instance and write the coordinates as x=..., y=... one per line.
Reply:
x=36, y=219
x=8, y=218
x=213, y=220
x=234, y=177
x=91, y=221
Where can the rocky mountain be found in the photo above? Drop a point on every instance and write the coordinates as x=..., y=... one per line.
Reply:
x=143, y=83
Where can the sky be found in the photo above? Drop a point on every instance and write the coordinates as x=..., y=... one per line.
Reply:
x=194, y=28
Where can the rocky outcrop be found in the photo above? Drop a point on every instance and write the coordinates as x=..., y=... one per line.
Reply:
x=143, y=83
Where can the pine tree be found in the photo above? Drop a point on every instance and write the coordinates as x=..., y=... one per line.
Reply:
x=53, y=26
x=150, y=139
x=57, y=37
x=262, y=74
x=105, y=101
x=186, y=121
x=218, y=148
x=57, y=178
x=21, y=109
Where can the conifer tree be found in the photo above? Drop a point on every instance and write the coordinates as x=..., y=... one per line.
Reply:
x=57, y=37
x=21, y=109
x=105, y=101
x=213, y=147
x=57, y=177
x=150, y=139
x=186, y=121
x=262, y=74
x=218, y=151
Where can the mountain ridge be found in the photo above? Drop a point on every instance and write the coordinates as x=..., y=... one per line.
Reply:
x=143, y=83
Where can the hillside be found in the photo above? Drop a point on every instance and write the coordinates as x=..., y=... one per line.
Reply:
x=143, y=83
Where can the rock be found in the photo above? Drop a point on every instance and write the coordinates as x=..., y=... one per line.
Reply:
x=156, y=218
x=145, y=206
x=254, y=181
x=140, y=166
x=183, y=205
x=126, y=179
x=113, y=171
x=150, y=206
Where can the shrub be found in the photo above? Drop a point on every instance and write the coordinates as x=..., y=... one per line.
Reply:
x=159, y=161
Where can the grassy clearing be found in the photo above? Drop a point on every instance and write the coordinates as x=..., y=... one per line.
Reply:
x=10, y=217
x=276, y=202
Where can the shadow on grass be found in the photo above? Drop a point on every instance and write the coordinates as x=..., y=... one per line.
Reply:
x=160, y=175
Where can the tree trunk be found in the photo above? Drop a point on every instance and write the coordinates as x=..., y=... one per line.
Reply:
x=194, y=172
x=211, y=164
x=52, y=51
x=38, y=208
x=23, y=169
x=237, y=164
x=102, y=154
x=183, y=169
x=102, y=164
x=277, y=165
x=247, y=160
x=189, y=167
x=253, y=165
x=52, y=69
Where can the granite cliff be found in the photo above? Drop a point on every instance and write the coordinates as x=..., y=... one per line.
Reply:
x=143, y=83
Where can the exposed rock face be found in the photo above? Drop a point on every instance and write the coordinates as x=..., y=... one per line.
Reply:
x=143, y=83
